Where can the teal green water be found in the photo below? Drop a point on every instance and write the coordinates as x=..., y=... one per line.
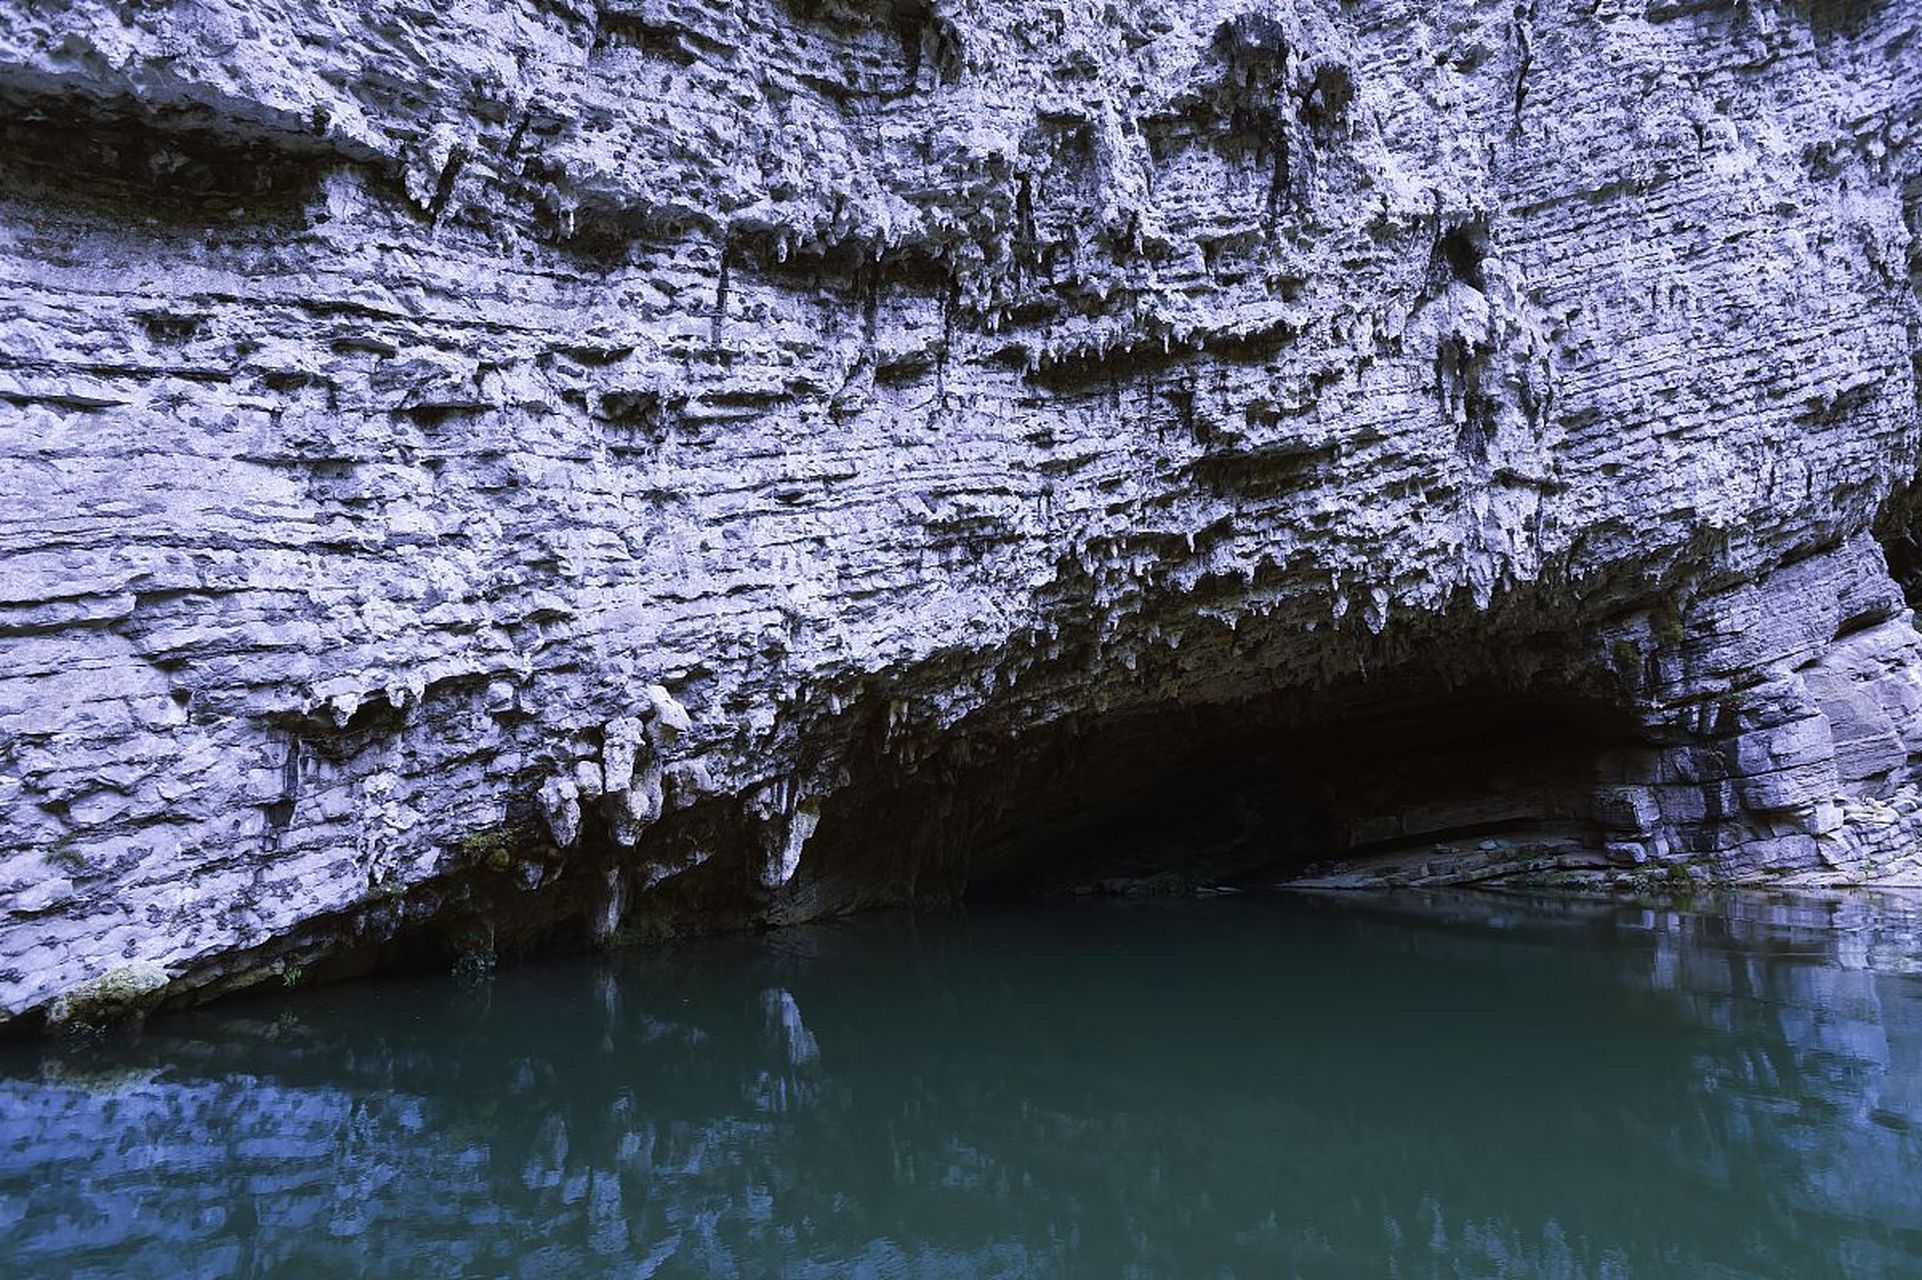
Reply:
x=1245, y=1086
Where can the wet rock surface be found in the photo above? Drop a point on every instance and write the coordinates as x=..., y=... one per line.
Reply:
x=566, y=471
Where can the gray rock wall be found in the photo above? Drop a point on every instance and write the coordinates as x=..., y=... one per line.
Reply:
x=552, y=467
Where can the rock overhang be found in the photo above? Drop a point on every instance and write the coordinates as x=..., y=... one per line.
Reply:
x=400, y=413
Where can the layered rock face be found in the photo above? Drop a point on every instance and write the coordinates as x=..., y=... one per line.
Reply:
x=545, y=468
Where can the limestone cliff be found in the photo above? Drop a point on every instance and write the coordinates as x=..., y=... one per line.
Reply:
x=550, y=468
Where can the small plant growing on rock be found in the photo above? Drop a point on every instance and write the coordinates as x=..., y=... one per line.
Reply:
x=65, y=854
x=1665, y=622
x=493, y=849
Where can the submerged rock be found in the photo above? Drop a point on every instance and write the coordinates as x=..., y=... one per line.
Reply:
x=575, y=470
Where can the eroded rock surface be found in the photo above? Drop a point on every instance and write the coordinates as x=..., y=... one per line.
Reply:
x=497, y=470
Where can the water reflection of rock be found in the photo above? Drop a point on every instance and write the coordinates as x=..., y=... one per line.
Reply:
x=1821, y=1064
x=787, y=1041
x=1120, y=1091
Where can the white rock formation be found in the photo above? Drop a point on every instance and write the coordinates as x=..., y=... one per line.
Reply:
x=464, y=463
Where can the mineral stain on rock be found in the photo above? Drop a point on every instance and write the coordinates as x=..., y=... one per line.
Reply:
x=564, y=471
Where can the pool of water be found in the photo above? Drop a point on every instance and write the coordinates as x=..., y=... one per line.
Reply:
x=1246, y=1086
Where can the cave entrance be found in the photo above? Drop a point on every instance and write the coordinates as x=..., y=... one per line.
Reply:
x=1408, y=788
x=1898, y=528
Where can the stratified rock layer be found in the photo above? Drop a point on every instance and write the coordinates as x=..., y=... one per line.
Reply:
x=551, y=468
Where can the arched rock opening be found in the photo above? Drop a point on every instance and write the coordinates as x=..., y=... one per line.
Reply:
x=1378, y=784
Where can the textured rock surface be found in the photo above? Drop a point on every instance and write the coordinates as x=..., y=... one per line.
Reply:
x=548, y=466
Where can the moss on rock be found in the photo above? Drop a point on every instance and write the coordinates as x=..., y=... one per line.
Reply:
x=114, y=996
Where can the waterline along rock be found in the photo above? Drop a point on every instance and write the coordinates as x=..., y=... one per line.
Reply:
x=518, y=471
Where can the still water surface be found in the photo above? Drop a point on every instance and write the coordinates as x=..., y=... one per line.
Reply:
x=1250, y=1087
